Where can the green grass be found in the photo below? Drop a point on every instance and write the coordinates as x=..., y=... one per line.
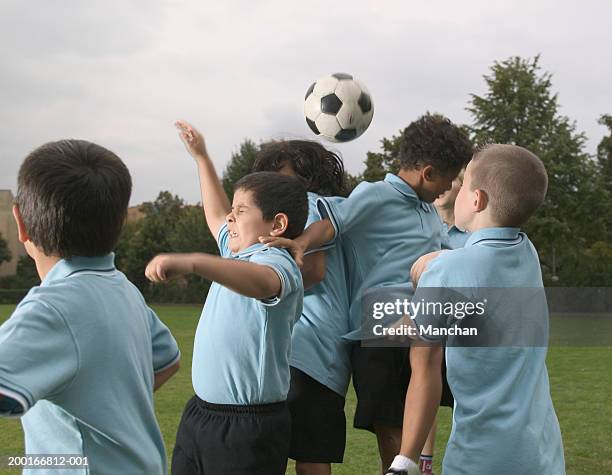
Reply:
x=579, y=378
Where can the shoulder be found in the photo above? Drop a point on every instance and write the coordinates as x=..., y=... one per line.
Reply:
x=367, y=187
x=274, y=254
x=41, y=309
x=450, y=268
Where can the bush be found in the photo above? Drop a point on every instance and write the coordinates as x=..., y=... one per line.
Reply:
x=12, y=296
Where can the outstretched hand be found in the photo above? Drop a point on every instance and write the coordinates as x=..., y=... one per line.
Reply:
x=294, y=247
x=192, y=138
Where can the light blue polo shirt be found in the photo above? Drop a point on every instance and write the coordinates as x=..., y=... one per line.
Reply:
x=242, y=345
x=385, y=227
x=504, y=422
x=79, y=355
x=318, y=348
x=455, y=237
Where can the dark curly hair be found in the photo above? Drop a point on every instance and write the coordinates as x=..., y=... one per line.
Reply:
x=434, y=140
x=321, y=170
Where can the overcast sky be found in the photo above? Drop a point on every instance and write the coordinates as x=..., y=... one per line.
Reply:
x=119, y=72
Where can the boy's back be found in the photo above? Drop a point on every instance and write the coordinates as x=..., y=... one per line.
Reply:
x=504, y=421
x=78, y=355
x=385, y=227
x=80, y=350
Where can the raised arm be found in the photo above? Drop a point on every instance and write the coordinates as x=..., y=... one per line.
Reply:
x=246, y=278
x=215, y=202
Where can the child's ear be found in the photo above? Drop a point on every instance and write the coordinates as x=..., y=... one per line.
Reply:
x=480, y=200
x=428, y=173
x=279, y=225
x=21, y=229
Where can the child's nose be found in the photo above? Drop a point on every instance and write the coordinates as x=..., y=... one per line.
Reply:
x=230, y=217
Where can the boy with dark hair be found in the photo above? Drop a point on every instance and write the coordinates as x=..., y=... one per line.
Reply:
x=385, y=226
x=82, y=353
x=320, y=357
x=238, y=422
x=504, y=421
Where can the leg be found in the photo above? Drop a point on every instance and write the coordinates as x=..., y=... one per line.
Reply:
x=428, y=449
x=318, y=425
x=426, y=459
x=307, y=468
x=184, y=456
x=389, y=440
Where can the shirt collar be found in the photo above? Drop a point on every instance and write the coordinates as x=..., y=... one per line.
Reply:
x=66, y=267
x=492, y=234
x=405, y=189
x=249, y=251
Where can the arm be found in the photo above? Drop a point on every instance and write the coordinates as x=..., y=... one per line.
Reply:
x=215, y=202
x=313, y=237
x=313, y=271
x=246, y=278
x=422, y=399
x=164, y=375
x=420, y=266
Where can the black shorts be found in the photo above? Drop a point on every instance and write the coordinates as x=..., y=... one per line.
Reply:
x=218, y=439
x=381, y=376
x=318, y=424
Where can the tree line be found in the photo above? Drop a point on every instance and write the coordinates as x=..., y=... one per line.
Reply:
x=572, y=231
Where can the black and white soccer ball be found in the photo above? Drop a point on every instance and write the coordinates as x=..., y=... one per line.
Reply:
x=338, y=107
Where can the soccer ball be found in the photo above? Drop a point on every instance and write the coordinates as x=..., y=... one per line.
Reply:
x=338, y=107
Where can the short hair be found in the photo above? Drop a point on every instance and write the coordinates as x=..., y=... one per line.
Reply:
x=321, y=170
x=514, y=180
x=274, y=193
x=434, y=140
x=73, y=197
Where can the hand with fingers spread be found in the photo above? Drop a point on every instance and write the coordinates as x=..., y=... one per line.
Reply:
x=420, y=266
x=192, y=138
x=294, y=246
x=167, y=266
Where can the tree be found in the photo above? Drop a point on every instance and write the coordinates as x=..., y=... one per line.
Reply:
x=604, y=161
x=169, y=225
x=5, y=253
x=240, y=164
x=378, y=164
x=520, y=108
x=142, y=240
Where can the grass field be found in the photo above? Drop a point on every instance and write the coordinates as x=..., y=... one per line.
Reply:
x=580, y=380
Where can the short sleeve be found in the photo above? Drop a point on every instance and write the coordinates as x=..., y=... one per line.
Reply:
x=165, y=349
x=351, y=214
x=286, y=268
x=313, y=210
x=38, y=357
x=314, y=215
x=223, y=241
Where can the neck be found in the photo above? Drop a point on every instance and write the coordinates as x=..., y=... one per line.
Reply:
x=447, y=214
x=482, y=221
x=44, y=264
x=413, y=178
